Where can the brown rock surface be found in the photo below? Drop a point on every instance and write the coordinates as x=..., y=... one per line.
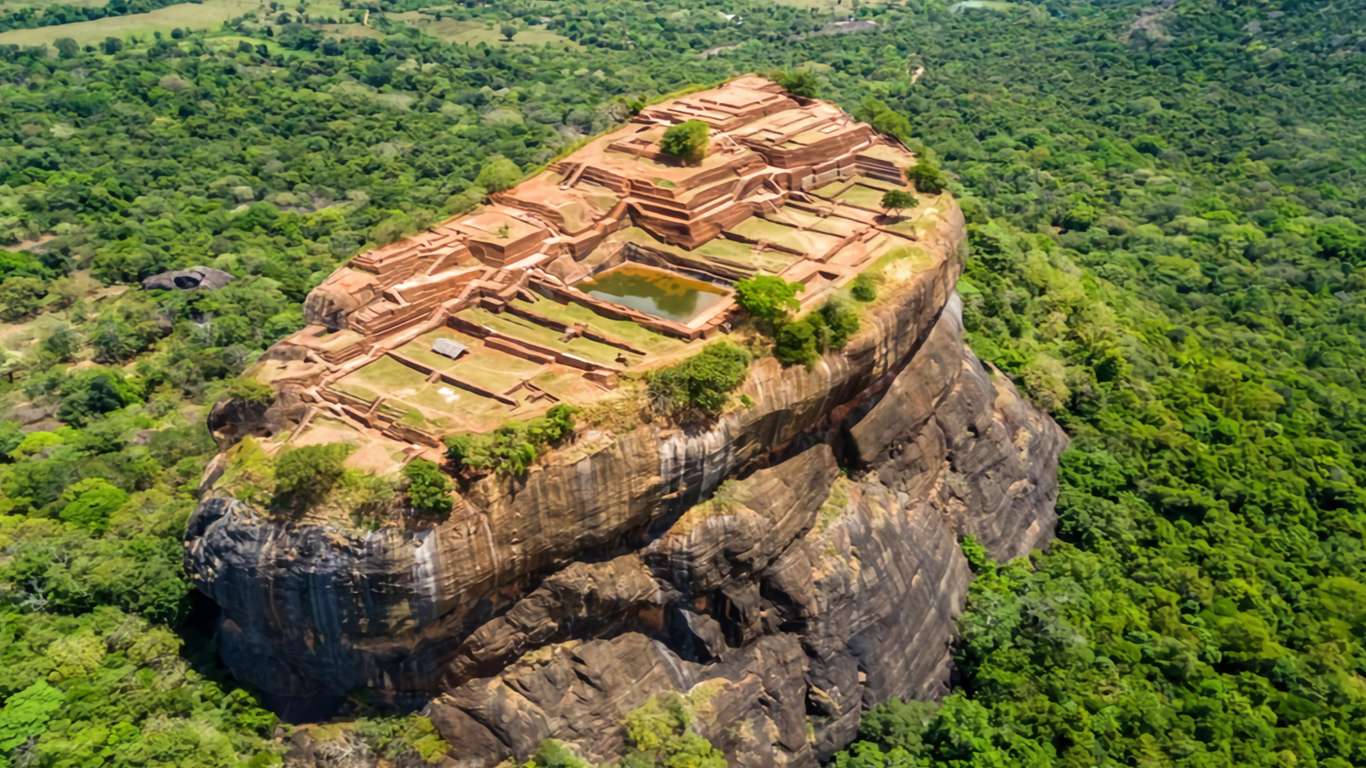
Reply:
x=784, y=567
x=805, y=595
x=576, y=596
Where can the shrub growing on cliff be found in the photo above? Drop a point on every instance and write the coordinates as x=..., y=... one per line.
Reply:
x=428, y=489
x=927, y=177
x=512, y=448
x=405, y=739
x=864, y=287
x=768, y=299
x=796, y=343
x=829, y=327
x=660, y=732
x=842, y=321
x=555, y=754
x=700, y=385
x=250, y=391
x=686, y=141
x=304, y=476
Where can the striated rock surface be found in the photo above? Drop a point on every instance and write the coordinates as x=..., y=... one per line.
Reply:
x=797, y=594
x=784, y=567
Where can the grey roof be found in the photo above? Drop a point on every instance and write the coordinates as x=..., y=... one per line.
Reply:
x=448, y=347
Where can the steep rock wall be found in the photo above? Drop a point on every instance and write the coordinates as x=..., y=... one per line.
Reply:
x=553, y=605
x=805, y=597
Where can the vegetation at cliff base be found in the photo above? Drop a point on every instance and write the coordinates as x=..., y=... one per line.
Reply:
x=658, y=734
x=1165, y=213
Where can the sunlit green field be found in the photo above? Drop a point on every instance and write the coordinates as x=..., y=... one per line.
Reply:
x=473, y=32
x=206, y=15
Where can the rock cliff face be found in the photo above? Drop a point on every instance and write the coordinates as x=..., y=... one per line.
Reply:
x=783, y=567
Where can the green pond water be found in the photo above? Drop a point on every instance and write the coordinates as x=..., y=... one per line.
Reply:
x=654, y=291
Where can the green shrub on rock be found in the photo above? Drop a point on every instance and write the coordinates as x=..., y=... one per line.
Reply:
x=829, y=327
x=512, y=448
x=429, y=490
x=686, y=141
x=700, y=385
x=250, y=391
x=841, y=320
x=799, y=82
x=768, y=299
x=304, y=476
x=864, y=287
x=927, y=177
x=796, y=343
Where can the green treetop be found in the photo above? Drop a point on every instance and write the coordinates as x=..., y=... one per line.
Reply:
x=686, y=141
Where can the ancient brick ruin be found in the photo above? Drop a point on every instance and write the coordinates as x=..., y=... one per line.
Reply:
x=789, y=187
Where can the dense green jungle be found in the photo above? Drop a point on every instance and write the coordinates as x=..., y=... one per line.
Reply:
x=1166, y=204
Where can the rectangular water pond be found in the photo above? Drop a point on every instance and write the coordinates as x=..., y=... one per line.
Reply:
x=654, y=291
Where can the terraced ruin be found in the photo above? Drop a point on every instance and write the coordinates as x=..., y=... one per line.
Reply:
x=764, y=562
x=614, y=260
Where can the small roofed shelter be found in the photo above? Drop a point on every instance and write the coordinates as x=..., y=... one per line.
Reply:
x=449, y=348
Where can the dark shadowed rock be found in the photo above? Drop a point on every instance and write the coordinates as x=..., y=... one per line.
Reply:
x=193, y=278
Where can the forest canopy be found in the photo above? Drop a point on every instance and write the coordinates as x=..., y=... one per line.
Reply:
x=1166, y=229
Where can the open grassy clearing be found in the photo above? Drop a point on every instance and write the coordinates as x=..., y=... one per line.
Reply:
x=348, y=30
x=207, y=15
x=14, y=5
x=837, y=226
x=567, y=386
x=833, y=6
x=809, y=242
x=862, y=196
x=743, y=254
x=474, y=32
x=830, y=225
x=451, y=407
x=422, y=402
x=911, y=223
x=523, y=330
x=983, y=5
x=622, y=330
x=486, y=368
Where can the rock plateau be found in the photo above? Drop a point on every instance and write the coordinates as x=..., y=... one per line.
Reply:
x=784, y=566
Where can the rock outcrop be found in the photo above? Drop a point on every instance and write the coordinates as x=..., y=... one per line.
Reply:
x=801, y=595
x=190, y=279
x=575, y=595
x=782, y=568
